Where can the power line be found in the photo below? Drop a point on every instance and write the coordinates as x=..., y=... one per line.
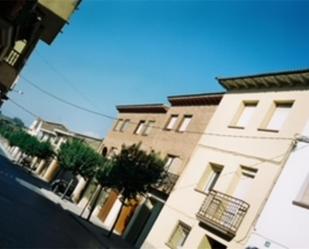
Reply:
x=65, y=101
x=154, y=127
x=65, y=79
x=24, y=109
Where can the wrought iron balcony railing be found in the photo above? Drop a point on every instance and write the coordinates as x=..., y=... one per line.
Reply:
x=167, y=184
x=222, y=212
x=12, y=57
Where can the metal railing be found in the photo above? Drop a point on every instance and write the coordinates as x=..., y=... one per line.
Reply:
x=222, y=212
x=12, y=58
x=168, y=183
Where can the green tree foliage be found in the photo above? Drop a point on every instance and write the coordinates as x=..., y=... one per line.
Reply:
x=131, y=173
x=18, y=122
x=77, y=157
x=44, y=150
x=28, y=144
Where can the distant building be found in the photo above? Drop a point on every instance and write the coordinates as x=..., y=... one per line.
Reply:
x=22, y=24
x=56, y=134
x=223, y=189
x=174, y=132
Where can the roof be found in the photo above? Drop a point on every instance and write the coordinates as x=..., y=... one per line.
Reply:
x=196, y=99
x=268, y=80
x=79, y=135
x=51, y=126
x=146, y=108
x=93, y=142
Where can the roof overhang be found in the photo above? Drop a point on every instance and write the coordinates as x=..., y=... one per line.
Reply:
x=196, y=99
x=65, y=133
x=270, y=80
x=148, y=108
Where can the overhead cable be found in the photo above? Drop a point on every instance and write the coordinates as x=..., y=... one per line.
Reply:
x=154, y=127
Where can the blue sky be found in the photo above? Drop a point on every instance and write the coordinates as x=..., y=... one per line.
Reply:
x=133, y=52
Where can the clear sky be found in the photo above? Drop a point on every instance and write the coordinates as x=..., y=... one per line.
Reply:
x=135, y=52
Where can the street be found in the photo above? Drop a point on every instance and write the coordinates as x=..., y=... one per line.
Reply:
x=28, y=220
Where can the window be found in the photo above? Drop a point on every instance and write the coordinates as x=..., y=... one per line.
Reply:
x=140, y=127
x=278, y=115
x=169, y=161
x=244, y=182
x=56, y=140
x=185, y=123
x=171, y=122
x=125, y=125
x=302, y=198
x=148, y=127
x=118, y=124
x=104, y=152
x=210, y=177
x=113, y=151
x=179, y=235
x=244, y=114
x=173, y=164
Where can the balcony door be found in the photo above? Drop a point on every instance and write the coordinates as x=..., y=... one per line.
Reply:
x=234, y=211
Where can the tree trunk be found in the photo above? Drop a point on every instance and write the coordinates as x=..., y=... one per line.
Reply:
x=115, y=222
x=67, y=189
x=96, y=199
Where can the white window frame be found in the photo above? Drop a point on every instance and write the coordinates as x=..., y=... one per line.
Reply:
x=171, y=122
x=210, y=177
x=185, y=122
x=148, y=127
x=140, y=127
x=276, y=122
x=118, y=124
x=186, y=230
x=244, y=114
x=170, y=159
x=124, y=125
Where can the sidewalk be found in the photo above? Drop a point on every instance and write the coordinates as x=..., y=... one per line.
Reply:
x=3, y=149
x=74, y=211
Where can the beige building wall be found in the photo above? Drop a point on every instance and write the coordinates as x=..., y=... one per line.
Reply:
x=254, y=148
x=160, y=140
x=167, y=142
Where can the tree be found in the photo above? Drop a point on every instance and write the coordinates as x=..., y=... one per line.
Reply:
x=28, y=144
x=104, y=166
x=77, y=157
x=18, y=122
x=133, y=172
x=44, y=150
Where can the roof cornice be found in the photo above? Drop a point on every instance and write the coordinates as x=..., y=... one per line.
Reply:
x=285, y=79
x=196, y=99
x=146, y=108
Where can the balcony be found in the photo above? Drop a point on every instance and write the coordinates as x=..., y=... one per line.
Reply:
x=56, y=15
x=168, y=183
x=12, y=58
x=222, y=212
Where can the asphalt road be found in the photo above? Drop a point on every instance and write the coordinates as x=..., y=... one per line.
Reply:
x=28, y=220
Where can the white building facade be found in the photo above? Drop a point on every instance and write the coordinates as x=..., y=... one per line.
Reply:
x=285, y=218
x=225, y=185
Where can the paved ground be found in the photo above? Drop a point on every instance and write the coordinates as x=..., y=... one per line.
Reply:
x=28, y=220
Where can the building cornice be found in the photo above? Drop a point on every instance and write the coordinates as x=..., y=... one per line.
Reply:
x=196, y=99
x=145, y=108
x=286, y=79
